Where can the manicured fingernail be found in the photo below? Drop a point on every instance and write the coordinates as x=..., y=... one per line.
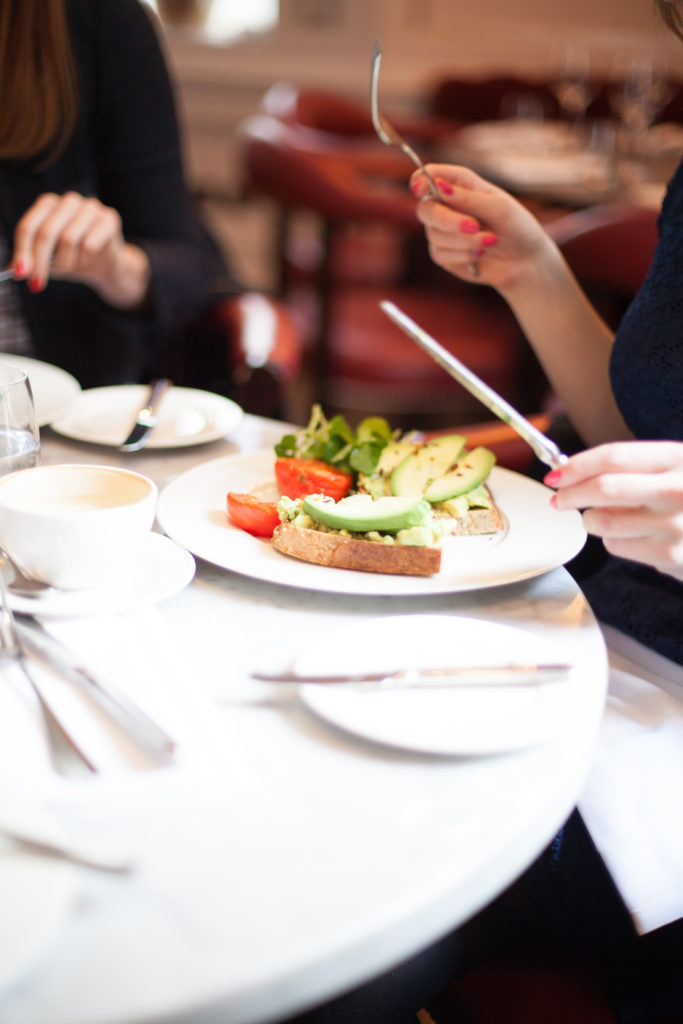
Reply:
x=489, y=239
x=553, y=478
x=553, y=501
x=444, y=186
x=480, y=252
x=470, y=227
x=19, y=269
x=35, y=284
x=416, y=186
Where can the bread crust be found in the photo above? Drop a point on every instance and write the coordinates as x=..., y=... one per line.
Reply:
x=339, y=552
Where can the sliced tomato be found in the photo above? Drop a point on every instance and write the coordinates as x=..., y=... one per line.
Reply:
x=296, y=478
x=252, y=514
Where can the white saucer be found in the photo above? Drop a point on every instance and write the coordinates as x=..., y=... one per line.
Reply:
x=186, y=416
x=53, y=388
x=459, y=721
x=158, y=569
x=35, y=895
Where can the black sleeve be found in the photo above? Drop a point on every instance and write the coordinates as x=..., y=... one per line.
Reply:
x=139, y=164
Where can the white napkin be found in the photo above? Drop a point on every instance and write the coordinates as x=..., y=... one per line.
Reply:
x=632, y=801
x=140, y=654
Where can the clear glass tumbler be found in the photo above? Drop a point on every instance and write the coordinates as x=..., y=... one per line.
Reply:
x=19, y=434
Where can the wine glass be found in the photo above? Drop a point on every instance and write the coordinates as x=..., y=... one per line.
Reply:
x=19, y=434
x=641, y=91
x=573, y=88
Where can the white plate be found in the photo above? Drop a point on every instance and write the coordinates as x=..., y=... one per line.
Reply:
x=53, y=388
x=158, y=569
x=35, y=895
x=462, y=721
x=536, y=538
x=186, y=416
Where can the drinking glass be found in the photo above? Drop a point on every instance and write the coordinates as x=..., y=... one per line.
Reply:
x=19, y=434
x=572, y=86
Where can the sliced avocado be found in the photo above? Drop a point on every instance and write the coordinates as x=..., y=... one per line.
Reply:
x=469, y=472
x=415, y=473
x=394, y=453
x=359, y=513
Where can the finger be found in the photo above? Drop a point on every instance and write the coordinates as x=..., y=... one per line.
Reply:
x=617, y=458
x=72, y=240
x=662, y=552
x=46, y=236
x=619, y=490
x=25, y=231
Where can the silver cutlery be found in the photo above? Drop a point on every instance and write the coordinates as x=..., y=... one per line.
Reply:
x=7, y=275
x=21, y=584
x=543, y=447
x=66, y=754
x=384, y=129
x=136, y=723
x=147, y=418
x=391, y=137
x=75, y=850
x=433, y=678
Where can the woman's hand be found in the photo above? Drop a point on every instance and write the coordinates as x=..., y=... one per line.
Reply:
x=476, y=223
x=77, y=238
x=632, y=494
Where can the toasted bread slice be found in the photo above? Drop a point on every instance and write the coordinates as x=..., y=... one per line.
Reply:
x=473, y=523
x=340, y=552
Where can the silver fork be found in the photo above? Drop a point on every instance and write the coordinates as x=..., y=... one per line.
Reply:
x=385, y=130
x=390, y=137
x=66, y=755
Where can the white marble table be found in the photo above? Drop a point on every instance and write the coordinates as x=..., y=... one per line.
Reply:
x=304, y=860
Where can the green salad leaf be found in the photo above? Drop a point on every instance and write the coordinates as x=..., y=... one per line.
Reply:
x=335, y=442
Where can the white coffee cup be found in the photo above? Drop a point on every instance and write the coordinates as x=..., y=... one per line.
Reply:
x=75, y=526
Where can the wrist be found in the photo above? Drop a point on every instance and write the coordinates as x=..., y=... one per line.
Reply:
x=127, y=286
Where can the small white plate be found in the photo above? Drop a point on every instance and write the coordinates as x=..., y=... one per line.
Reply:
x=35, y=895
x=156, y=570
x=460, y=721
x=53, y=388
x=186, y=416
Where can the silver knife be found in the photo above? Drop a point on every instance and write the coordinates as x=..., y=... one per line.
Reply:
x=45, y=648
x=433, y=678
x=146, y=419
x=7, y=275
x=545, y=449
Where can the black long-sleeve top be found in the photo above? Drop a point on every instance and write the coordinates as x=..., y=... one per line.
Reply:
x=125, y=150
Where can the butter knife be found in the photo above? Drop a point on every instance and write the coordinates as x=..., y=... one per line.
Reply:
x=545, y=449
x=434, y=678
x=147, y=418
x=140, y=728
x=7, y=275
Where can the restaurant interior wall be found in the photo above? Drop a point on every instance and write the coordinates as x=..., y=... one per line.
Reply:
x=328, y=43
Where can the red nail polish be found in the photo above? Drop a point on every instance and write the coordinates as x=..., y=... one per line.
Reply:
x=553, y=478
x=35, y=284
x=489, y=239
x=469, y=227
x=444, y=186
x=19, y=269
x=416, y=187
x=479, y=253
x=553, y=501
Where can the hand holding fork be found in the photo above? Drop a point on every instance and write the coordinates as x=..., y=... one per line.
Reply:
x=391, y=137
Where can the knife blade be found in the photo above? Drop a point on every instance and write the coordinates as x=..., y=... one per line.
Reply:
x=543, y=447
x=7, y=275
x=43, y=647
x=146, y=419
x=433, y=678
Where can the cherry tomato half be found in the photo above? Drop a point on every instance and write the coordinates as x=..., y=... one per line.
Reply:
x=296, y=478
x=253, y=515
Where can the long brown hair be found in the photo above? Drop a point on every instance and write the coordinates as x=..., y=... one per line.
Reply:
x=38, y=97
x=671, y=15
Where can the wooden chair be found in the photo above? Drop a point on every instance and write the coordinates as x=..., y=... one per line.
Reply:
x=246, y=347
x=362, y=363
